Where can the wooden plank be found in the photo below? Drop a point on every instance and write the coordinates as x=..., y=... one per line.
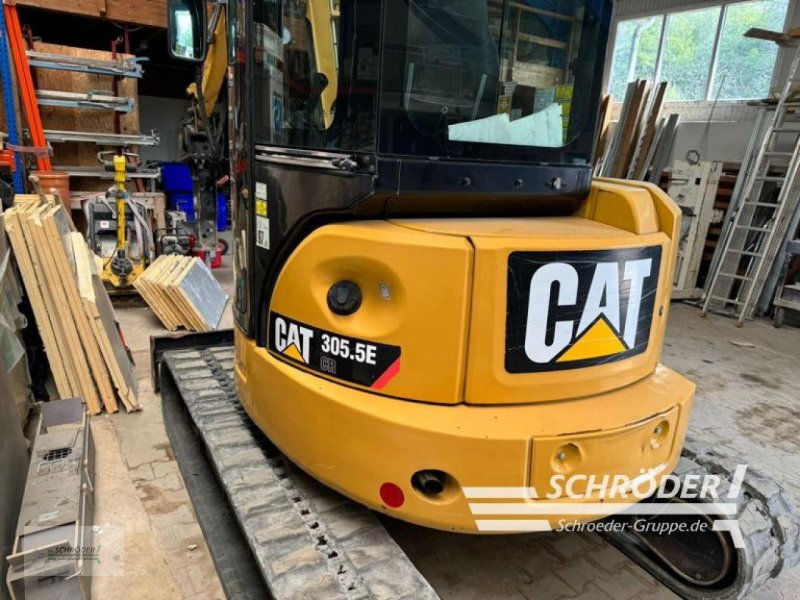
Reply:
x=629, y=128
x=54, y=221
x=163, y=274
x=602, y=134
x=542, y=41
x=144, y=287
x=606, y=168
x=44, y=320
x=664, y=148
x=654, y=145
x=149, y=282
x=172, y=313
x=639, y=163
x=773, y=36
x=100, y=313
x=171, y=287
x=542, y=12
x=533, y=75
x=56, y=225
x=39, y=283
x=57, y=283
x=632, y=141
x=141, y=12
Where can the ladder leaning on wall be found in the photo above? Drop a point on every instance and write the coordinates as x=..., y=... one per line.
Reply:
x=759, y=226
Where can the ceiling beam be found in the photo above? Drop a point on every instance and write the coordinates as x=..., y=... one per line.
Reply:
x=152, y=13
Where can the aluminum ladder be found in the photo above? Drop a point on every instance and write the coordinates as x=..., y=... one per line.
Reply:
x=757, y=231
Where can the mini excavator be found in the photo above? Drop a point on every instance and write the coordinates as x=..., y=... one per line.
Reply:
x=434, y=298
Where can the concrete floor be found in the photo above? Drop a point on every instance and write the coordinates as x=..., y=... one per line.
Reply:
x=747, y=404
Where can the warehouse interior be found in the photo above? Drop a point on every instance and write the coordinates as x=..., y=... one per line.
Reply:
x=400, y=299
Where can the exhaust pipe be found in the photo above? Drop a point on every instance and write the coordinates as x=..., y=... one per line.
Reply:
x=430, y=482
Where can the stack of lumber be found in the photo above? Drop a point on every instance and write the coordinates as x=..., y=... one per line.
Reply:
x=642, y=139
x=183, y=293
x=73, y=313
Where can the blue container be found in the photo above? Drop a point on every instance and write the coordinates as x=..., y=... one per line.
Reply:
x=176, y=177
x=183, y=201
x=222, y=212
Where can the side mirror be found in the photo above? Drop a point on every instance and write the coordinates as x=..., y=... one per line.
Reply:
x=187, y=30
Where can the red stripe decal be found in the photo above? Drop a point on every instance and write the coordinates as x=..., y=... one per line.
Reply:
x=387, y=376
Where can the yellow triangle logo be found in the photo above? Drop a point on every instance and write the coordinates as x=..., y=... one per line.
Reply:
x=293, y=352
x=597, y=341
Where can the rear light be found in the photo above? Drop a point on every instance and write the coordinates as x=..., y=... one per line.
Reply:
x=392, y=496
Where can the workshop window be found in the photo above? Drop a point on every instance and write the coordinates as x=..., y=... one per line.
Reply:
x=678, y=47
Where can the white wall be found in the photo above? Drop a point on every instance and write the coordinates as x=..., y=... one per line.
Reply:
x=724, y=139
x=164, y=115
x=726, y=142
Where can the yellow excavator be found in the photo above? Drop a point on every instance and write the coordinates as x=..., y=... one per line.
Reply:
x=438, y=310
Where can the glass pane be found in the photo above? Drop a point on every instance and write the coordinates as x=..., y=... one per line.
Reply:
x=635, y=53
x=744, y=65
x=462, y=73
x=688, y=48
x=312, y=91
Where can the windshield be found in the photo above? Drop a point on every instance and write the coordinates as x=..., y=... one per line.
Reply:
x=486, y=79
x=461, y=76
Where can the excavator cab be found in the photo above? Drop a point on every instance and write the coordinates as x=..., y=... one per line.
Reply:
x=432, y=294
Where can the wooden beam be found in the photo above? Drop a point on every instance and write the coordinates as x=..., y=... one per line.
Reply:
x=638, y=168
x=152, y=13
x=602, y=133
x=542, y=41
x=55, y=223
x=141, y=12
x=542, y=12
x=788, y=38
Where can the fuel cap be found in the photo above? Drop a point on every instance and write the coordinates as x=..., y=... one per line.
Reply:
x=344, y=298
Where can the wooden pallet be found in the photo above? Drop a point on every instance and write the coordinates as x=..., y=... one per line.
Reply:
x=84, y=348
x=183, y=293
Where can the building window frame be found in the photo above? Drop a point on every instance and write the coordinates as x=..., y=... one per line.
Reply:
x=664, y=14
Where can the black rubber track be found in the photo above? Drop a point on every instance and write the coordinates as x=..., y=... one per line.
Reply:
x=237, y=569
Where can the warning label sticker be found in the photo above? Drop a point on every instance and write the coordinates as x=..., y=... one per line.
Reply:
x=262, y=232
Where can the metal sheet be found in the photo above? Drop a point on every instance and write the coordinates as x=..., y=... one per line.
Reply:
x=205, y=294
x=57, y=508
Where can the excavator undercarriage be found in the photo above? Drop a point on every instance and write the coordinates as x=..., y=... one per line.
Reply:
x=296, y=538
